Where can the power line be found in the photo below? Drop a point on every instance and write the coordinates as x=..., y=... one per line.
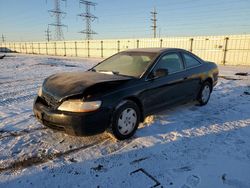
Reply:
x=58, y=14
x=153, y=19
x=214, y=15
x=47, y=34
x=88, y=18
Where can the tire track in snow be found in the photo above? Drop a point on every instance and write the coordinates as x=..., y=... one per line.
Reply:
x=5, y=134
x=106, y=144
x=24, y=86
x=118, y=145
x=40, y=159
x=9, y=83
x=15, y=117
x=21, y=84
x=18, y=92
x=9, y=101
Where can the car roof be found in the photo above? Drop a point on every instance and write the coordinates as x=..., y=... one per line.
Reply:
x=153, y=50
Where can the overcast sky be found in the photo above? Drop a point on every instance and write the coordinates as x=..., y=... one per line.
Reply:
x=26, y=20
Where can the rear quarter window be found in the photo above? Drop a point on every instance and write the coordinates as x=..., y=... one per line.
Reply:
x=190, y=61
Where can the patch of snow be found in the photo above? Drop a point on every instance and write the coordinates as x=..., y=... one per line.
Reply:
x=185, y=146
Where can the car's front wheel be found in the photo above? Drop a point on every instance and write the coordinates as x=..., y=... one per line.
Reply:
x=125, y=120
x=205, y=93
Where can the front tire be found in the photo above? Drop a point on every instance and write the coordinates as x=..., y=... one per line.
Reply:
x=205, y=93
x=126, y=119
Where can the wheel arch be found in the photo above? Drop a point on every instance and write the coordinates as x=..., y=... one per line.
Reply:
x=210, y=80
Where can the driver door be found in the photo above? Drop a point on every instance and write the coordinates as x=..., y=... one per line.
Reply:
x=165, y=90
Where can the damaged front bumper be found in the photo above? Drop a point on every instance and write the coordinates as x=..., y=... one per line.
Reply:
x=72, y=123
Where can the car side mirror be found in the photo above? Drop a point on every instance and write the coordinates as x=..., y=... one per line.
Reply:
x=160, y=73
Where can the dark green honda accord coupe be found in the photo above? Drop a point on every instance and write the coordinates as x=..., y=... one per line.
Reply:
x=119, y=92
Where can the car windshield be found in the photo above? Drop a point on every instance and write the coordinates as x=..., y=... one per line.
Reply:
x=126, y=63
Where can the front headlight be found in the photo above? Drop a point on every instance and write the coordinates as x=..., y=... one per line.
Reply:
x=79, y=106
x=40, y=92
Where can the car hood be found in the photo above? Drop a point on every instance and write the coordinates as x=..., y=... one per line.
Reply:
x=64, y=85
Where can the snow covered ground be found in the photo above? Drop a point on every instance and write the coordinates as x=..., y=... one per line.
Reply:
x=185, y=146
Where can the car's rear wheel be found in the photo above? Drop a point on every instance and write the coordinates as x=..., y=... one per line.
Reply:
x=125, y=120
x=205, y=93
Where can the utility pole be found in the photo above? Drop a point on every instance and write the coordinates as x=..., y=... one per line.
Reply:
x=58, y=14
x=47, y=34
x=153, y=19
x=3, y=38
x=88, y=17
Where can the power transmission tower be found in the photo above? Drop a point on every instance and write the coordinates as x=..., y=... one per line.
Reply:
x=153, y=19
x=3, y=38
x=58, y=14
x=88, y=17
x=47, y=34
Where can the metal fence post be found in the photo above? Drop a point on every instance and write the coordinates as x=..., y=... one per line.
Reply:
x=225, y=51
x=20, y=45
x=137, y=43
x=64, y=43
x=14, y=47
x=191, y=44
x=161, y=43
x=39, y=48
x=32, y=49
x=88, y=48
x=101, y=49
x=76, y=48
x=46, y=45
x=26, y=47
x=55, y=49
x=118, y=46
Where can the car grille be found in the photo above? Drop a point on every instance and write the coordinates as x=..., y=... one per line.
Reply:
x=50, y=101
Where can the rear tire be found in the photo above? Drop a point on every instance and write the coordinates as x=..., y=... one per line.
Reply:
x=126, y=119
x=205, y=93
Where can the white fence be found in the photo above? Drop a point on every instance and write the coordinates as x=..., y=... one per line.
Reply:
x=229, y=50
